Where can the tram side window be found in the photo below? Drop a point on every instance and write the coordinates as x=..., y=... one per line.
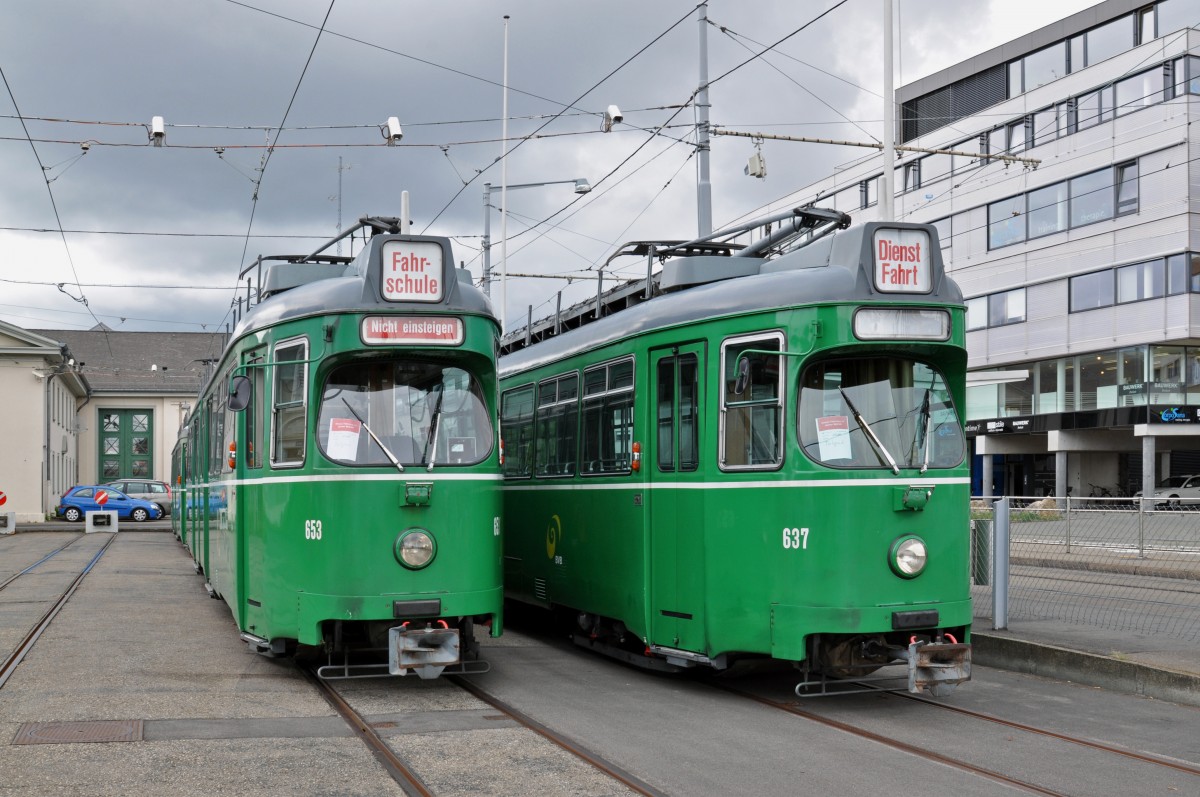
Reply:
x=516, y=430
x=753, y=418
x=228, y=423
x=289, y=411
x=607, y=418
x=557, y=426
x=256, y=419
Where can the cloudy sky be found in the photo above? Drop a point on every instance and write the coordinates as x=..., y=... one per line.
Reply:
x=153, y=238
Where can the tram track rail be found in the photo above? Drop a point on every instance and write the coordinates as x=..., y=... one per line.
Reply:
x=1145, y=758
x=34, y=566
x=896, y=744
x=410, y=780
x=984, y=772
x=9, y=665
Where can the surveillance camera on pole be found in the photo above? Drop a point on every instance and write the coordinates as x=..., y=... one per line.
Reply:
x=392, y=131
x=612, y=116
x=158, y=131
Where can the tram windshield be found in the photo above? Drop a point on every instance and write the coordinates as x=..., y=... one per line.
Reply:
x=423, y=413
x=881, y=412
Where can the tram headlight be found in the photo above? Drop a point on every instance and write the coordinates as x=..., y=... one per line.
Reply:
x=907, y=557
x=415, y=548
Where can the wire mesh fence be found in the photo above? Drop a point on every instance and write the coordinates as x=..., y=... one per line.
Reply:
x=1113, y=563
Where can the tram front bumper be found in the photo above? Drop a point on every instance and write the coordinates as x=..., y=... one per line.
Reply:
x=938, y=667
x=425, y=651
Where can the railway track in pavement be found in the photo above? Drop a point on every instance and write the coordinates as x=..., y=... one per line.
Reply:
x=10, y=662
x=408, y=776
x=923, y=749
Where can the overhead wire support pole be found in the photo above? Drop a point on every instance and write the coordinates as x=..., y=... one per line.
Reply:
x=504, y=194
x=1034, y=162
x=703, y=179
x=887, y=192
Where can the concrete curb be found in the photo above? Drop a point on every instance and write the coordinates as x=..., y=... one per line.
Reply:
x=1034, y=658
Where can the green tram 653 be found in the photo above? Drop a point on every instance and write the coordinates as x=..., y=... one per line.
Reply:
x=759, y=456
x=341, y=470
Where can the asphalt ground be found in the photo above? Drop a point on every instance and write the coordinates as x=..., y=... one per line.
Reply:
x=1158, y=666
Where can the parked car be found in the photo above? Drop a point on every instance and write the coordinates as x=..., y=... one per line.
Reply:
x=1176, y=491
x=81, y=499
x=147, y=490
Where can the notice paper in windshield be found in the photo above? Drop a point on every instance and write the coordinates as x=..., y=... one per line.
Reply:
x=833, y=437
x=343, y=439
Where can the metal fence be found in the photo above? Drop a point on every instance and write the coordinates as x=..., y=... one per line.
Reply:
x=1103, y=562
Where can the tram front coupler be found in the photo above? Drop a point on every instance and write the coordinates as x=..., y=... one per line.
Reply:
x=935, y=666
x=425, y=651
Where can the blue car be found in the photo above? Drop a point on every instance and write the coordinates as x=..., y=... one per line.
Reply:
x=81, y=499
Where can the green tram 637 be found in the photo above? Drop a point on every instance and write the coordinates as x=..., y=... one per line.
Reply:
x=341, y=469
x=760, y=455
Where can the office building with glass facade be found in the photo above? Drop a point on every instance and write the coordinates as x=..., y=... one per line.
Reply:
x=1082, y=270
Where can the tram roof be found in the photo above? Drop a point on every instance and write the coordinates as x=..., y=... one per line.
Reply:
x=308, y=286
x=837, y=268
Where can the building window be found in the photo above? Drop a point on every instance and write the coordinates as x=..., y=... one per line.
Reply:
x=1145, y=25
x=1087, y=110
x=1092, y=197
x=997, y=142
x=977, y=313
x=1139, y=91
x=1127, y=188
x=1108, y=40
x=1016, y=136
x=1016, y=82
x=1006, y=308
x=1006, y=222
x=1141, y=281
x=945, y=231
x=1177, y=274
x=934, y=167
x=912, y=175
x=868, y=191
x=1091, y=291
x=1045, y=127
x=1045, y=65
x=1047, y=210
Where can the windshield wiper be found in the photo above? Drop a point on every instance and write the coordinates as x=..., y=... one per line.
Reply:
x=866, y=427
x=431, y=441
x=928, y=421
x=378, y=442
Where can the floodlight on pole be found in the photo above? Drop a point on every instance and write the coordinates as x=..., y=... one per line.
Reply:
x=582, y=186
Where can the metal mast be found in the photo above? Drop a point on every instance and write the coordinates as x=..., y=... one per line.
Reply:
x=703, y=183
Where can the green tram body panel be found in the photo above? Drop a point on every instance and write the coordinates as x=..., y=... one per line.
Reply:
x=723, y=561
x=292, y=547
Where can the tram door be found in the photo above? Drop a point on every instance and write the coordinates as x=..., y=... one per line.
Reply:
x=676, y=518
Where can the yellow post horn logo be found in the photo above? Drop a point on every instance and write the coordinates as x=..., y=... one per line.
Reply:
x=553, y=535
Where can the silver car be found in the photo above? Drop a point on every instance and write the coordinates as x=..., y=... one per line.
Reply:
x=1176, y=491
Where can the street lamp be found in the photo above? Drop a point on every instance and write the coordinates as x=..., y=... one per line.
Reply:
x=581, y=187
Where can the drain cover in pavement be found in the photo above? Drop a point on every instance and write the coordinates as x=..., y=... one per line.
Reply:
x=72, y=732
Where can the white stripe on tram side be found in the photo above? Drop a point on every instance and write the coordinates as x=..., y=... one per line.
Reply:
x=407, y=476
x=732, y=485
